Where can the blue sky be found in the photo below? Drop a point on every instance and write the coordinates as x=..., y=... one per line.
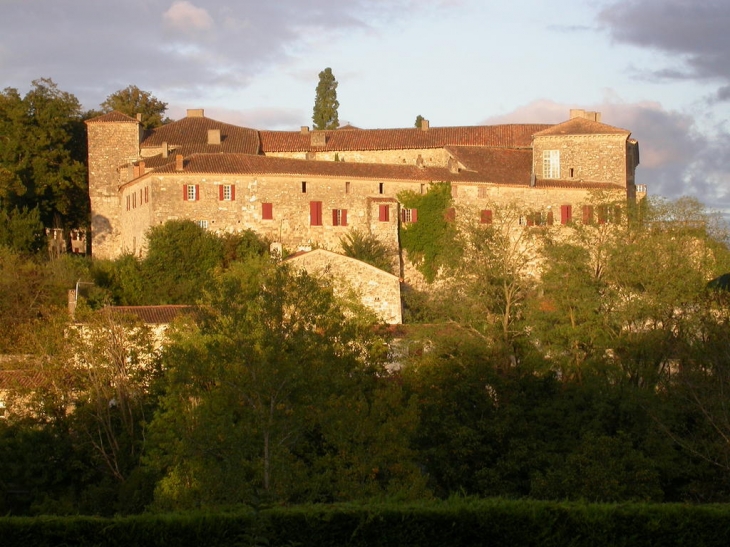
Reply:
x=660, y=68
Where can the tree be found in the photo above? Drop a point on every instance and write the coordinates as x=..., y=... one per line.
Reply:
x=276, y=393
x=368, y=248
x=325, y=102
x=419, y=121
x=132, y=101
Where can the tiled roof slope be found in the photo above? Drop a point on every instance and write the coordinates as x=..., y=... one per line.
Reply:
x=497, y=164
x=20, y=379
x=582, y=126
x=113, y=116
x=190, y=136
x=511, y=168
x=153, y=315
x=500, y=136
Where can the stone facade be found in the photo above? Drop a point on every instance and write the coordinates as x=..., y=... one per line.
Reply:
x=376, y=289
x=288, y=187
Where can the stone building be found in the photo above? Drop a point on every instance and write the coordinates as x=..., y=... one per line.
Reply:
x=308, y=188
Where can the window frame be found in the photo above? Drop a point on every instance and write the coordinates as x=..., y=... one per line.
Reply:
x=551, y=164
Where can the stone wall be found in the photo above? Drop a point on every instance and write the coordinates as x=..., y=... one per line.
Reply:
x=431, y=157
x=376, y=289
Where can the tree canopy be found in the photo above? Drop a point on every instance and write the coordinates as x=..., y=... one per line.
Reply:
x=132, y=101
x=325, y=102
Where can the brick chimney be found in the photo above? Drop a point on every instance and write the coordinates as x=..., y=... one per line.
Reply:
x=214, y=136
x=141, y=168
x=424, y=125
x=178, y=162
x=165, y=150
x=196, y=113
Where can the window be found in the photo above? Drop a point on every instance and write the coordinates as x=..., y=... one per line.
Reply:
x=146, y=194
x=129, y=200
x=347, y=187
x=315, y=213
x=566, y=214
x=381, y=188
x=267, y=211
x=551, y=164
x=227, y=192
x=304, y=187
x=486, y=216
x=454, y=191
x=588, y=214
x=384, y=213
x=409, y=215
x=202, y=223
x=423, y=188
x=191, y=192
x=482, y=192
x=602, y=214
x=339, y=217
x=134, y=200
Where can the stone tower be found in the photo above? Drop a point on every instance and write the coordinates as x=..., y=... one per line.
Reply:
x=113, y=143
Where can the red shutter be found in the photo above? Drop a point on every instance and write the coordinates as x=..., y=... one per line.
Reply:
x=414, y=215
x=531, y=219
x=267, y=211
x=587, y=214
x=185, y=192
x=343, y=218
x=334, y=217
x=486, y=216
x=315, y=213
x=566, y=214
x=233, y=192
x=197, y=192
x=220, y=192
x=384, y=213
x=602, y=214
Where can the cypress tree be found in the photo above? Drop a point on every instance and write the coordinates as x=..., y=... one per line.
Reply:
x=325, y=102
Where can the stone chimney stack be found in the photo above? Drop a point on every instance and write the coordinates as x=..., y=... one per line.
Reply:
x=580, y=113
x=196, y=113
x=305, y=130
x=319, y=138
x=139, y=117
x=165, y=150
x=424, y=125
x=214, y=136
x=178, y=162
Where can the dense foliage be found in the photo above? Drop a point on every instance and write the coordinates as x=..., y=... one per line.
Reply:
x=325, y=114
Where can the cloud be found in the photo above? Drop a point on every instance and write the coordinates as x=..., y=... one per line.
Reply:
x=677, y=159
x=186, y=17
x=694, y=33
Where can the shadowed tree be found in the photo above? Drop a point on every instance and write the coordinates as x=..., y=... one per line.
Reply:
x=132, y=100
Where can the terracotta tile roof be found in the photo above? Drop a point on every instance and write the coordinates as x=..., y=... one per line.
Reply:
x=511, y=168
x=20, y=379
x=582, y=126
x=502, y=136
x=153, y=315
x=190, y=136
x=496, y=165
x=113, y=116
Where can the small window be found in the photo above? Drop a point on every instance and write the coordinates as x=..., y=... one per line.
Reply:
x=572, y=172
x=146, y=194
x=551, y=164
x=381, y=188
x=409, y=215
x=423, y=189
x=482, y=192
x=190, y=192
x=339, y=217
x=384, y=213
x=315, y=213
x=129, y=201
x=227, y=192
x=134, y=200
x=347, y=187
x=267, y=211
x=304, y=187
x=202, y=223
x=486, y=216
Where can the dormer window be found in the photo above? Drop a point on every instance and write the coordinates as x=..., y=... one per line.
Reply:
x=551, y=164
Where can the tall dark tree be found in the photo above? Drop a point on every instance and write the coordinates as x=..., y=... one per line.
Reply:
x=132, y=101
x=325, y=102
x=419, y=121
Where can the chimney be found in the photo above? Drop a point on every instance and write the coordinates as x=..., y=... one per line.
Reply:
x=165, y=150
x=178, y=162
x=577, y=113
x=424, y=125
x=214, y=136
x=139, y=117
x=305, y=130
x=141, y=168
x=196, y=113
x=71, y=303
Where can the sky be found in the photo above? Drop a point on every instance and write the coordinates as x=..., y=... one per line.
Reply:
x=659, y=68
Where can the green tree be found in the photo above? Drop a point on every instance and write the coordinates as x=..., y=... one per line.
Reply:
x=419, y=121
x=325, y=102
x=42, y=155
x=264, y=396
x=368, y=248
x=132, y=101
